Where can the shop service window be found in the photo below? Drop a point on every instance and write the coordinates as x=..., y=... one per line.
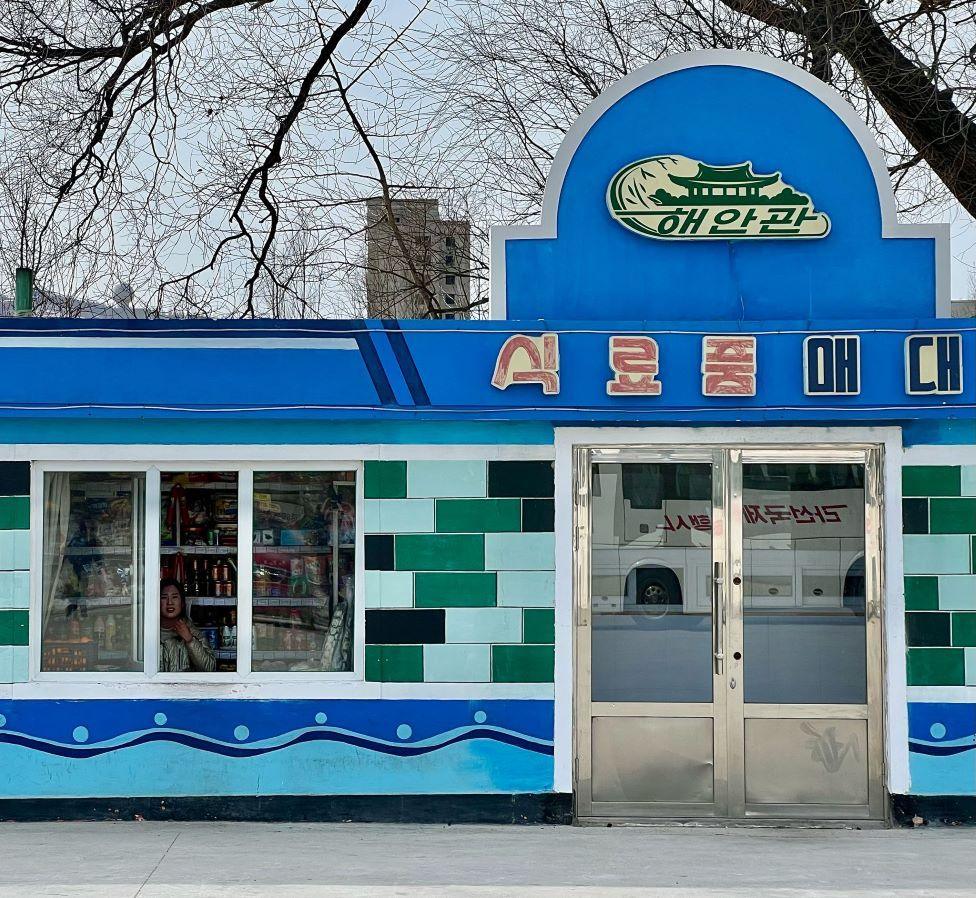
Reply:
x=92, y=572
x=298, y=602
x=304, y=570
x=198, y=572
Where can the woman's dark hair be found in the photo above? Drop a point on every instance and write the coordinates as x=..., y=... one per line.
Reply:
x=172, y=581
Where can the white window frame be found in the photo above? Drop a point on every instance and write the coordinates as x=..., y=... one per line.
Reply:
x=176, y=461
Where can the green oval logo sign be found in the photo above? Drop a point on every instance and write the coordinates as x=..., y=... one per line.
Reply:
x=677, y=198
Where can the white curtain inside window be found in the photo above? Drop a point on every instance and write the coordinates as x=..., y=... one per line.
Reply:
x=57, y=511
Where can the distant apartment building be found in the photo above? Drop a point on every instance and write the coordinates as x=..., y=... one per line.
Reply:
x=439, y=251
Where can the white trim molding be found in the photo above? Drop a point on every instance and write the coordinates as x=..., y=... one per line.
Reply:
x=547, y=227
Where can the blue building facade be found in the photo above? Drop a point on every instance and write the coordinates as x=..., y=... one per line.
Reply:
x=468, y=569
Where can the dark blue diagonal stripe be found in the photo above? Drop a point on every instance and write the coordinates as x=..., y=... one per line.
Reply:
x=371, y=358
x=405, y=360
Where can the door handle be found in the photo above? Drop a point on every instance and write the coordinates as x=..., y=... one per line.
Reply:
x=718, y=614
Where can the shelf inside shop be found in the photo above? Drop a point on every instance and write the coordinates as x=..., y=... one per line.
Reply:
x=226, y=654
x=286, y=602
x=297, y=550
x=104, y=655
x=195, y=601
x=293, y=486
x=282, y=655
x=198, y=550
x=227, y=485
x=96, y=601
x=97, y=550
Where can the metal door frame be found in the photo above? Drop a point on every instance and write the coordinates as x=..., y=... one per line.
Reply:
x=583, y=460
x=727, y=708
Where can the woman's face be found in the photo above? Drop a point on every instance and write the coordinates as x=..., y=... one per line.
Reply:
x=170, y=602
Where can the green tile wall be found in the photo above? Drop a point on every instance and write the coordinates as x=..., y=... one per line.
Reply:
x=491, y=519
x=939, y=517
x=14, y=571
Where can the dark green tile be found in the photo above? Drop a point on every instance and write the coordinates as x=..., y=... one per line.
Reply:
x=532, y=479
x=936, y=667
x=538, y=515
x=921, y=593
x=478, y=515
x=522, y=663
x=385, y=480
x=539, y=625
x=927, y=628
x=395, y=663
x=13, y=628
x=931, y=480
x=952, y=516
x=436, y=589
x=915, y=515
x=963, y=628
x=440, y=552
x=14, y=512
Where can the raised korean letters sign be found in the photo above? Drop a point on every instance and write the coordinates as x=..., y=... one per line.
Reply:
x=634, y=363
x=528, y=360
x=832, y=365
x=933, y=364
x=677, y=198
x=827, y=365
x=728, y=366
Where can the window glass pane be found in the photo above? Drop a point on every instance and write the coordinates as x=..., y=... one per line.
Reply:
x=198, y=572
x=93, y=574
x=304, y=570
x=803, y=590
x=651, y=543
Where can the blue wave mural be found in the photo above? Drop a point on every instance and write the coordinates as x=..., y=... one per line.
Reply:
x=942, y=748
x=232, y=747
x=286, y=740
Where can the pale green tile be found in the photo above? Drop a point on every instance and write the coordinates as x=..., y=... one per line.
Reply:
x=14, y=550
x=939, y=554
x=520, y=551
x=970, y=666
x=399, y=516
x=389, y=589
x=14, y=589
x=14, y=663
x=957, y=593
x=483, y=625
x=457, y=663
x=447, y=479
x=968, y=480
x=527, y=589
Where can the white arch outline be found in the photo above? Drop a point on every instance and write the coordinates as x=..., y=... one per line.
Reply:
x=890, y=226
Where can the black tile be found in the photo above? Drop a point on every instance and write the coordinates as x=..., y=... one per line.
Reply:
x=538, y=515
x=404, y=626
x=915, y=515
x=927, y=628
x=513, y=479
x=15, y=478
x=379, y=552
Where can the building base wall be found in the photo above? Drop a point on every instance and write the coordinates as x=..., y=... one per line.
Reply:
x=946, y=810
x=514, y=808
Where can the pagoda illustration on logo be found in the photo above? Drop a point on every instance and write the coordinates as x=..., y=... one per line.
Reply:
x=677, y=198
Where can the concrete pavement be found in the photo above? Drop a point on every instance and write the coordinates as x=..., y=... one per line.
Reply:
x=153, y=860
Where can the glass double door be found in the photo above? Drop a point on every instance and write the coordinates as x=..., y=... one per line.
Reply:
x=728, y=633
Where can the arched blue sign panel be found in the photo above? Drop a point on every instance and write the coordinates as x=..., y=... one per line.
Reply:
x=719, y=186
